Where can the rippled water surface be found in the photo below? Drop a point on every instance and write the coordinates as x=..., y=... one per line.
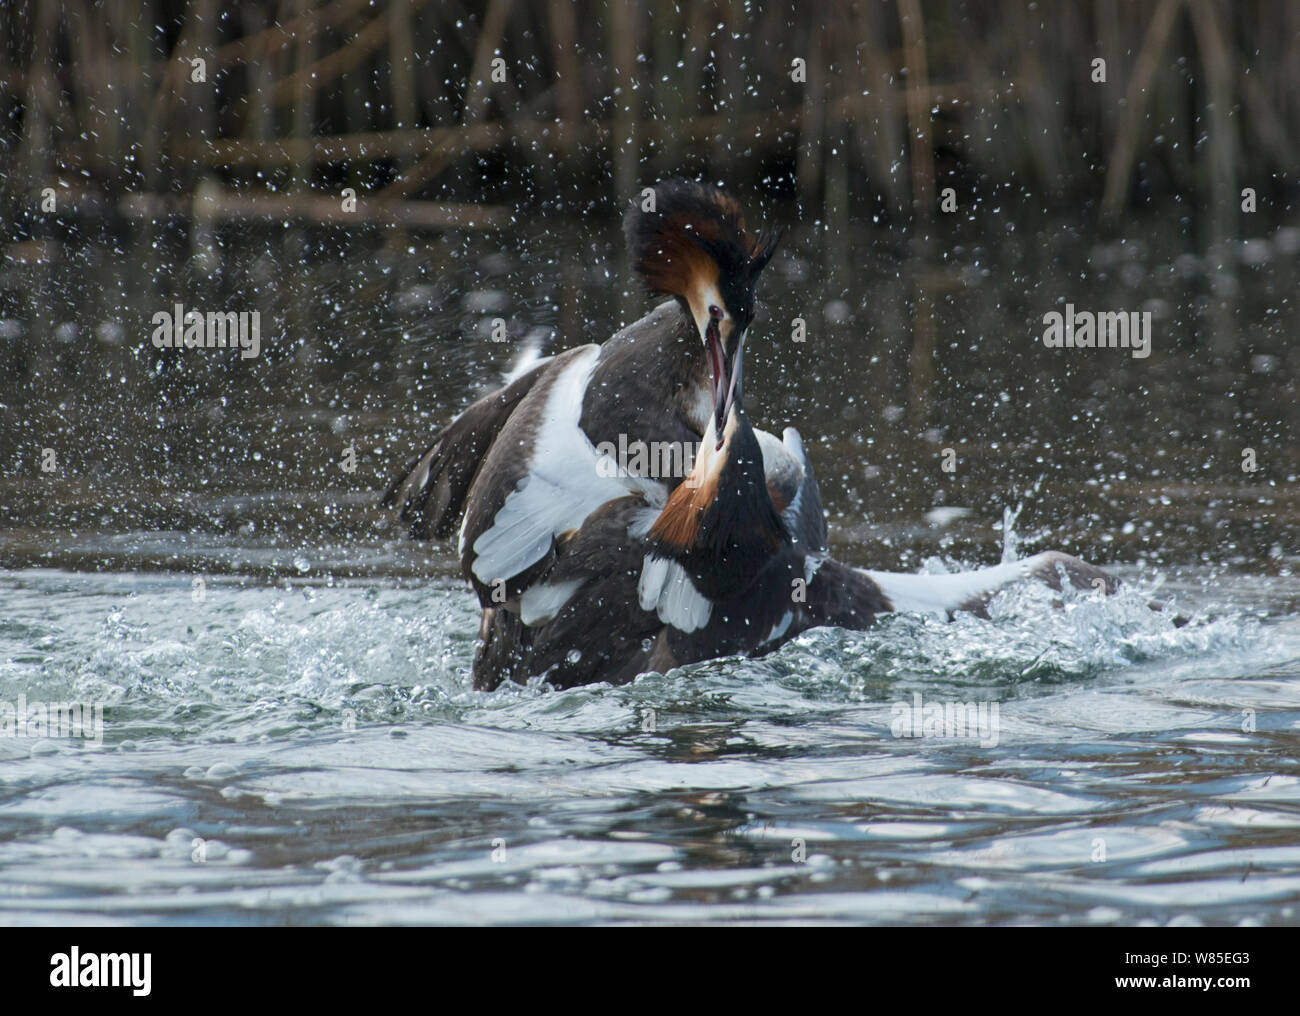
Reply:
x=309, y=752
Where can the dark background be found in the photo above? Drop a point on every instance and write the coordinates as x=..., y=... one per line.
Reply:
x=480, y=199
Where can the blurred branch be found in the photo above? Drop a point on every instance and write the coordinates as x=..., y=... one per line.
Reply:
x=328, y=68
x=226, y=205
x=1120, y=167
x=489, y=46
x=899, y=92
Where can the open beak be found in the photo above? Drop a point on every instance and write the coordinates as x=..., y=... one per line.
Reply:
x=726, y=376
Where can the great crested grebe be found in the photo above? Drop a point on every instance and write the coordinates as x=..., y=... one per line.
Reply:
x=590, y=574
x=519, y=467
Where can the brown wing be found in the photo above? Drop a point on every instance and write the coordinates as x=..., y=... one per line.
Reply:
x=432, y=490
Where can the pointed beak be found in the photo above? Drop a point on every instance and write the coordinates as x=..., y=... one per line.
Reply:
x=726, y=371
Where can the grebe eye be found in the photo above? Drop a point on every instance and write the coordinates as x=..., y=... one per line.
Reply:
x=715, y=312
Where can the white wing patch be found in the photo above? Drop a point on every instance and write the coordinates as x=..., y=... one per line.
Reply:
x=540, y=603
x=942, y=594
x=530, y=356
x=793, y=443
x=784, y=461
x=562, y=487
x=644, y=520
x=780, y=628
x=665, y=589
x=460, y=535
x=776, y=456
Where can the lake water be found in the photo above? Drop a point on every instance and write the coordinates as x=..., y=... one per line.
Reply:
x=288, y=733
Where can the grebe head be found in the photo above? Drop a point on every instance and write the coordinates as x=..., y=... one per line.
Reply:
x=688, y=241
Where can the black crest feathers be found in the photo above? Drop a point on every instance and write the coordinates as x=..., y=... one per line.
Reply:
x=686, y=229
